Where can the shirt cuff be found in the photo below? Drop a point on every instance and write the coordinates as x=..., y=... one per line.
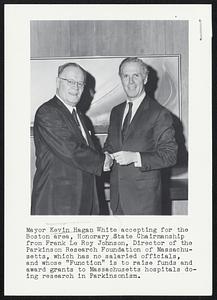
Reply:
x=106, y=168
x=138, y=162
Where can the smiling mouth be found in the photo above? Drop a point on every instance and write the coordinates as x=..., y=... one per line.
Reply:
x=131, y=88
x=73, y=94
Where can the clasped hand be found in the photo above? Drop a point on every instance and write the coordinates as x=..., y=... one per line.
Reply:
x=108, y=162
x=125, y=157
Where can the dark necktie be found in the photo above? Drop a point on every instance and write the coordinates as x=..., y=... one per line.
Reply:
x=75, y=117
x=127, y=121
x=74, y=114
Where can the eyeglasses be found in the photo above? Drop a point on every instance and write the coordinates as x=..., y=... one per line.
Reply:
x=72, y=82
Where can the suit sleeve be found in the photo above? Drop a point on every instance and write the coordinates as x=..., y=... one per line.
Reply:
x=165, y=152
x=108, y=143
x=64, y=144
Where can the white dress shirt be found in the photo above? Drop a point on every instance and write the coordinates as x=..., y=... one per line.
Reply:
x=136, y=102
x=70, y=108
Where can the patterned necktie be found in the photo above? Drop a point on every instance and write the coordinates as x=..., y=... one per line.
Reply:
x=74, y=114
x=75, y=117
x=127, y=121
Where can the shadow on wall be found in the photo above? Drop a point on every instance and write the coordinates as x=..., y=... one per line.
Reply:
x=88, y=93
x=182, y=155
x=152, y=83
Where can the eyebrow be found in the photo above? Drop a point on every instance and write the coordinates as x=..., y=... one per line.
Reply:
x=132, y=73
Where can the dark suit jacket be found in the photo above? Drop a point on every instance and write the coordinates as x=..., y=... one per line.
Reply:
x=151, y=133
x=64, y=182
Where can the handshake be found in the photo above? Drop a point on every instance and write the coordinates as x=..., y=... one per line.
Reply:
x=122, y=158
x=108, y=162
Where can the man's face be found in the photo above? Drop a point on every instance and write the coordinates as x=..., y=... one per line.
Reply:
x=70, y=91
x=133, y=79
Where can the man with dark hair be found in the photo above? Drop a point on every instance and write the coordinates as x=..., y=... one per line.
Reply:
x=141, y=141
x=66, y=159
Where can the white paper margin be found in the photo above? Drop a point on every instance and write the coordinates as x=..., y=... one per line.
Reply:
x=17, y=152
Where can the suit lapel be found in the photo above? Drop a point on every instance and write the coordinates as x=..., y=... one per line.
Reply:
x=138, y=117
x=70, y=119
x=119, y=122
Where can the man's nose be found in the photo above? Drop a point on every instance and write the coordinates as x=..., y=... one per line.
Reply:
x=75, y=85
x=131, y=80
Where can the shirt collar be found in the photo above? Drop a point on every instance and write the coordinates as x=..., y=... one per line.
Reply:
x=70, y=108
x=138, y=100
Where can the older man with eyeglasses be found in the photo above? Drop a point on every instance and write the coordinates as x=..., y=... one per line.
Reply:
x=66, y=159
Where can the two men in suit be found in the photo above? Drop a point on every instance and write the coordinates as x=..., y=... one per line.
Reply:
x=141, y=141
x=66, y=159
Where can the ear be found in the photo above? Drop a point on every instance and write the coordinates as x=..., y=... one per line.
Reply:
x=145, y=80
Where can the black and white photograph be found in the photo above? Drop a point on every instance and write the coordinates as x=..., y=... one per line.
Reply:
x=108, y=126
x=84, y=163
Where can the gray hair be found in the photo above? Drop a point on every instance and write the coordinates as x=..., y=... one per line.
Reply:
x=143, y=65
x=63, y=67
